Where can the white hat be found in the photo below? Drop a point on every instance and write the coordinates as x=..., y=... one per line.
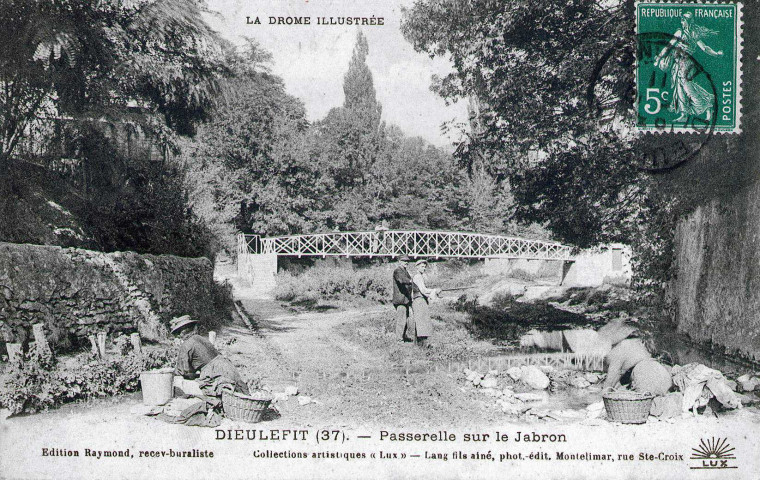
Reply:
x=179, y=322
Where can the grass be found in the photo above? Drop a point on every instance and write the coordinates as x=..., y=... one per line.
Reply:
x=451, y=338
x=362, y=284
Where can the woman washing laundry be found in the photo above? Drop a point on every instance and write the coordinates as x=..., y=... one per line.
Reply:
x=633, y=356
x=627, y=356
x=199, y=360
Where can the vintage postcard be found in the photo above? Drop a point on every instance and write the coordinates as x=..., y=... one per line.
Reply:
x=382, y=239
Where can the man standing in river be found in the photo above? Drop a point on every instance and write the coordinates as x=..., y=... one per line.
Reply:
x=402, y=297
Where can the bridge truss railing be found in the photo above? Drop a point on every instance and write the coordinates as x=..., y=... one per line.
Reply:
x=393, y=243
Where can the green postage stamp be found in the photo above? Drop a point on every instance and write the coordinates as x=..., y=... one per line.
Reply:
x=688, y=67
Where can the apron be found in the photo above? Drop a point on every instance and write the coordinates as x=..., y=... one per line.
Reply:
x=419, y=318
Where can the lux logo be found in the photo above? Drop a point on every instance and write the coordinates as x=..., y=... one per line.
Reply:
x=713, y=453
x=715, y=464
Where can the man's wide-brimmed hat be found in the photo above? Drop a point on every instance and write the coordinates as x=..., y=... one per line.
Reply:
x=405, y=258
x=421, y=262
x=178, y=322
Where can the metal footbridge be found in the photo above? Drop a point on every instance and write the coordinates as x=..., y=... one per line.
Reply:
x=394, y=243
x=257, y=256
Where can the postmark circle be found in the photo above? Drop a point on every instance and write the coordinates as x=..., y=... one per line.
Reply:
x=661, y=147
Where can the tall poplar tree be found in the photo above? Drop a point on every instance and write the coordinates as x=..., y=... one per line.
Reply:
x=358, y=87
x=353, y=136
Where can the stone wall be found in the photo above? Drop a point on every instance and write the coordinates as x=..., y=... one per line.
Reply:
x=717, y=284
x=77, y=292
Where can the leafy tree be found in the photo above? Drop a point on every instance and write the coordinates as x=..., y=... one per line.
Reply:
x=542, y=70
x=87, y=75
x=358, y=87
x=97, y=59
x=354, y=133
x=140, y=206
x=258, y=166
x=553, y=78
x=247, y=170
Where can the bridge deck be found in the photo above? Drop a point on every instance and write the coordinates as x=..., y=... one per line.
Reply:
x=415, y=243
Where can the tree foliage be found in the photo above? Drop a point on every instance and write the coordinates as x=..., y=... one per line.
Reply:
x=97, y=59
x=353, y=134
x=551, y=77
x=553, y=82
x=254, y=138
x=259, y=167
x=93, y=76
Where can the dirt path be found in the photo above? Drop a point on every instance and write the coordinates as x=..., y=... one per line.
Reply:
x=310, y=340
x=353, y=381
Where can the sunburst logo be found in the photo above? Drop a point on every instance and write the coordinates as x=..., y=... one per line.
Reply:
x=714, y=453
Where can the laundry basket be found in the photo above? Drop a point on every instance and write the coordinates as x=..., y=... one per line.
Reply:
x=626, y=406
x=245, y=408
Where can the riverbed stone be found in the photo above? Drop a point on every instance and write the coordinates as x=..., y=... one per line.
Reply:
x=489, y=382
x=592, y=377
x=492, y=392
x=748, y=383
x=534, y=377
x=471, y=375
x=530, y=397
x=667, y=406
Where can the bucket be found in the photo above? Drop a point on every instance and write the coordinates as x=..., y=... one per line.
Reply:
x=157, y=386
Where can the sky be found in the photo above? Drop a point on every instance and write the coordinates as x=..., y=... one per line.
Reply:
x=312, y=59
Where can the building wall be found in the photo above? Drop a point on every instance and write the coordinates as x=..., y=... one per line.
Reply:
x=77, y=292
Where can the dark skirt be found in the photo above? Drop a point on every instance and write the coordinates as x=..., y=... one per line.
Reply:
x=219, y=374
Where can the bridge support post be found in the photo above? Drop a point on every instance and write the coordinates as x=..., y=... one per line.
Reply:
x=566, y=264
x=497, y=266
x=259, y=269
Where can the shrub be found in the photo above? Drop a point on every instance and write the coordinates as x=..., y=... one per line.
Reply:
x=373, y=283
x=524, y=275
x=38, y=382
x=336, y=283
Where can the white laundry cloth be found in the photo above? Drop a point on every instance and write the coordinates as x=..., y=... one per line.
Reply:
x=692, y=379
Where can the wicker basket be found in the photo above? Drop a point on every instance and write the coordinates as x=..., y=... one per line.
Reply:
x=245, y=408
x=626, y=406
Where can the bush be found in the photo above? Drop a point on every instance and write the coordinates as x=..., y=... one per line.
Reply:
x=336, y=283
x=38, y=382
x=524, y=275
x=453, y=273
